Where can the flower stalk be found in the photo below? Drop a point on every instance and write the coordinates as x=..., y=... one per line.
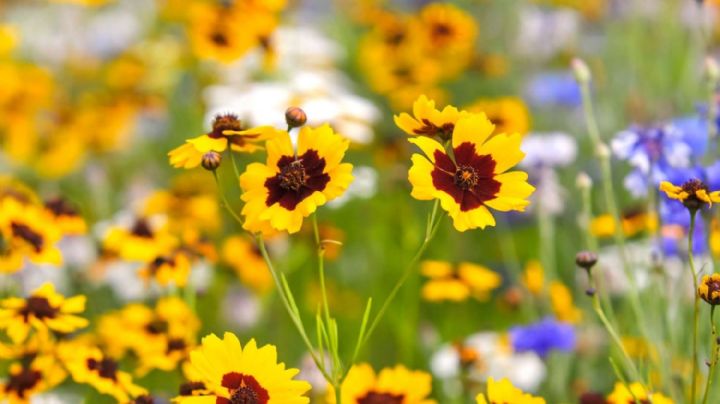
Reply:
x=713, y=355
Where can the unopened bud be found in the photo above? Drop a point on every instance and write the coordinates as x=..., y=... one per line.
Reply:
x=590, y=292
x=581, y=71
x=295, y=117
x=211, y=160
x=583, y=181
x=602, y=151
x=586, y=259
x=712, y=69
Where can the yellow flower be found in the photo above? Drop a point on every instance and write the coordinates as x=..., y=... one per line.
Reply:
x=139, y=243
x=446, y=283
x=709, y=289
x=66, y=217
x=633, y=223
x=291, y=185
x=236, y=374
x=504, y=392
x=26, y=231
x=24, y=380
x=694, y=194
x=447, y=34
x=393, y=385
x=168, y=269
x=534, y=277
x=475, y=178
x=508, y=114
x=159, y=338
x=43, y=310
x=429, y=121
x=247, y=262
x=621, y=395
x=8, y=39
x=88, y=365
x=562, y=303
x=226, y=129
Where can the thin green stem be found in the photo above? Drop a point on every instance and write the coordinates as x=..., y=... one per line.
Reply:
x=323, y=290
x=713, y=355
x=696, y=308
x=234, y=164
x=225, y=202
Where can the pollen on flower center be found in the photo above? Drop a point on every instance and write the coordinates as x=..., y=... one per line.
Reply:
x=23, y=381
x=293, y=176
x=244, y=395
x=39, y=307
x=465, y=177
x=23, y=231
x=381, y=398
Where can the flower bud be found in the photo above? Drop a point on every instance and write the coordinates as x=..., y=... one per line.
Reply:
x=295, y=117
x=211, y=160
x=602, y=151
x=586, y=259
x=581, y=71
x=709, y=289
x=583, y=181
x=712, y=69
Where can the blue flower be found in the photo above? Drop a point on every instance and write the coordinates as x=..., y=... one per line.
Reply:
x=558, y=89
x=543, y=336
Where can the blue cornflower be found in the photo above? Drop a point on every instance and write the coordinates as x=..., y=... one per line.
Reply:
x=555, y=89
x=543, y=336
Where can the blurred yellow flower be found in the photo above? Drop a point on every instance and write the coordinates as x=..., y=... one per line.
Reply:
x=633, y=223
x=503, y=391
x=66, y=217
x=562, y=303
x=621, y=395
x=26, y=231
x=139, y=243
x=245, y=259
x=448, y=283
x=8, y=39
x=172, y=269
x=508, y=114
x=35, y=374
x=393, y=385
x=533, y=277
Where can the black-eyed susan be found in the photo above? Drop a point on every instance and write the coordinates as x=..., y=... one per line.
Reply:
x=26, y=231
x=709, y=289
x=694, y=194
x=503, y=391
x=473, y=176
x=66, y=217
x=43, y=310
x=165, y=270
x=429, y=121
x=227, y=130
x=245, y=259
x=87, y=364
x=622, y=395
x=292, y=184
x=458, y=284
x=159, y=337
x=241, y=374
x=633, y=222
x=141, y=242
x=561, y=300
x=393, y=385
x=24, y=380
x=447, y=34
x=508, y=114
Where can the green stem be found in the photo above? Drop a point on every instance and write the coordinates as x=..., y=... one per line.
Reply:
x=225, y=202
x=323, y=290
x=696, y=308
x=713, y=355
x=234, y=164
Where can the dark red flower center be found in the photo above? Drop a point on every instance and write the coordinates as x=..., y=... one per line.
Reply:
x=297, y=179
x=106, y=367
x=39, y=307
x=144, y=400
x=381, y=398
x=23, y=381
x=60, y=207
x=224, y=122
x=243, y=389
x=188, y=388
x=469, y=179
x=176, y=344
x=141, y=228
x=24, y=232
x=157, y=326
x=430, y=129
x=692, y=186
x=219, y=39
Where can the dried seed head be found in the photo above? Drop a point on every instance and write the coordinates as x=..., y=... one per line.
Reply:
x=211, y=160
x=586, y=259
x=295, y=117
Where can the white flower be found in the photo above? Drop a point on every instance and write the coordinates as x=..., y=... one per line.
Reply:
x=553, y=149
x=364, y=186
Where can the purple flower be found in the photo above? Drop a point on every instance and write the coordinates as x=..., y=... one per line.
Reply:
x=556, y=89
x=543, y=336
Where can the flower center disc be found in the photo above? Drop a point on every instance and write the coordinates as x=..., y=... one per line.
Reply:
x=39, y=307
x=381, y=398
x=293, y=176
x=466, y=177
x=244, y=395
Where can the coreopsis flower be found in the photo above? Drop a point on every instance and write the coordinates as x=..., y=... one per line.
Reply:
x=227, y=130
x=160, y=337
x=709, y=289
x=141, y=242
x=694, y=194
x=475, y=178
x=232, y=373
x=508, y=114
x=67, y=218
x=457, y=284
x=26, y=231
x=503, y=391
x=245, y=259
x=392, y=385
x=621, y=395
x=87, y=364
x=43, y=310
x=533, y=277
x=429, y=121
x=27, y=378
x=293, y=183
x=561, y=301
x=633, y=222
x=172, y=269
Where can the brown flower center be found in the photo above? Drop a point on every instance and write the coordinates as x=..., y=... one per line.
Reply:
x=24, y=232
x=176, y=344
x=466, y=177
x=157, y=326
x=243, y=389
x=23, y=381
x=141, y=228
x=692, y=202
x=430, y=129
x=39, y=307
x=293, y=176
x=60, y=207
x=187, y=389
x=219, y=39
x=225, y=122
x=106, y=367
x=381, y=398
